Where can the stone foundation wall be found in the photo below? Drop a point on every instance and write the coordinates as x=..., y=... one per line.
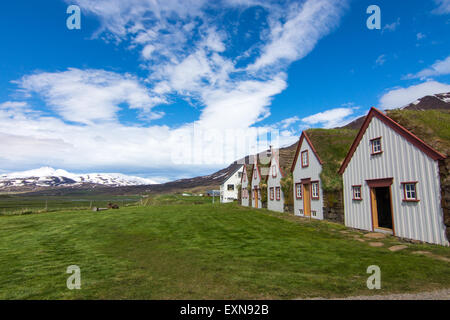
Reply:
x=444, y=170
x=333, y=209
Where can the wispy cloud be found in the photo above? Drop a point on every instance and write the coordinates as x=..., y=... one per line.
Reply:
x=391, y=26
x=380, y=60
x=184, y=51
x=87, y=96
x=443, y=7
x=439, y=68
x=400, y=97
x=420, y=36
x=330, y=118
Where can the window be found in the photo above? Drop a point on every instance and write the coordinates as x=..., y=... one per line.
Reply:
x=313, y=213
x=274, y=171
x=315, y=190
x=255, y=174
x=271, y=193
x=376, y=146
x=305, y=159
x=300, y=211
x=278, y=190
x=409, y=191
x=298, y=190
x=356, y=192
x=230, y=187
x=239, y=175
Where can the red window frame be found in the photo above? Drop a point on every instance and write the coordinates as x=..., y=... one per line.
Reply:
x=360, y=192
x=312, y=189
x=416, y=199
x=278, y=193
x=371, y=146
x=271, y=193
x=307, y=159
x=301, y=191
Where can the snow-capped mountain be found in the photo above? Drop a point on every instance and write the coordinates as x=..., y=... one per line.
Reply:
x=49, y=177
x=435, y=101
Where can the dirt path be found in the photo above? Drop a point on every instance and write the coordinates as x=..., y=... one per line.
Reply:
x=433, y=295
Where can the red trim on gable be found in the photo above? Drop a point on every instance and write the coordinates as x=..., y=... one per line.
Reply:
x=417, y=142
x=303, y=136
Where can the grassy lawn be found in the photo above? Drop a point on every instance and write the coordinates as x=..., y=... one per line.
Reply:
x=11, y=204
x=199, y=251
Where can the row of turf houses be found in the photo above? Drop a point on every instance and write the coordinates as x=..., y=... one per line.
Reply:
x=382, y=178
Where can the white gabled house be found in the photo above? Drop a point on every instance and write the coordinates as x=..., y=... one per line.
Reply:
x=245, y=195
x=392, y=182
x=306, y=169
x=229, y=186
x=280, y=164
x=275, y=196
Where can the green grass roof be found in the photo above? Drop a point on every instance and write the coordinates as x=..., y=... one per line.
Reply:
x=432, y=126
x=332, y=145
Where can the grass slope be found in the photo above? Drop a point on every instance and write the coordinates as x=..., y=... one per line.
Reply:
x=432, y=126
x=201, y=251
x=332, y=145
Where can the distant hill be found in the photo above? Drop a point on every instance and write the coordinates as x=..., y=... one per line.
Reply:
x=439, y=101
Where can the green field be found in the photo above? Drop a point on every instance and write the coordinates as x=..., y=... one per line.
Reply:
x=191, y=250
x=11, y=204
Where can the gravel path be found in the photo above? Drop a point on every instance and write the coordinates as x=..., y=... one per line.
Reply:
x=434, y=295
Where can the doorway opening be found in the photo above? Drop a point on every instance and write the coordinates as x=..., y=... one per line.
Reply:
x=306, y=200
x=381, y=208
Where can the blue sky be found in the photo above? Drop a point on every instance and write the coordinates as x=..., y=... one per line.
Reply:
x=131, y=90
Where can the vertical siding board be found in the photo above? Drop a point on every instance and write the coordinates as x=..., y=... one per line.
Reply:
x=421, y=220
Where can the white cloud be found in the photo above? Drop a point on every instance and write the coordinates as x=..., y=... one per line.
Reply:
x=391, y=26
x=443, y=7
x=400, y=97
x=87, y=96
x=186, y=53
x=296, y=37
x=439, y=68
x=380, y=60
x=286, y=123
x=331, y=118
x=420, y=36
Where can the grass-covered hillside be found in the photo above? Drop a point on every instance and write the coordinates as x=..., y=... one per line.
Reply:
x=432, y=126
x=332, y=145
x=201, y=251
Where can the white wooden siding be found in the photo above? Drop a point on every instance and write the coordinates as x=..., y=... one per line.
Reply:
x=275, y=205
x=225, y=194
x=403, y=162
x=244, y=201
x=312, y=171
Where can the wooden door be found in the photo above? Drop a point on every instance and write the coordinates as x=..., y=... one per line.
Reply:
x=373, y=202
x=256, y=198
x=307, y=200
